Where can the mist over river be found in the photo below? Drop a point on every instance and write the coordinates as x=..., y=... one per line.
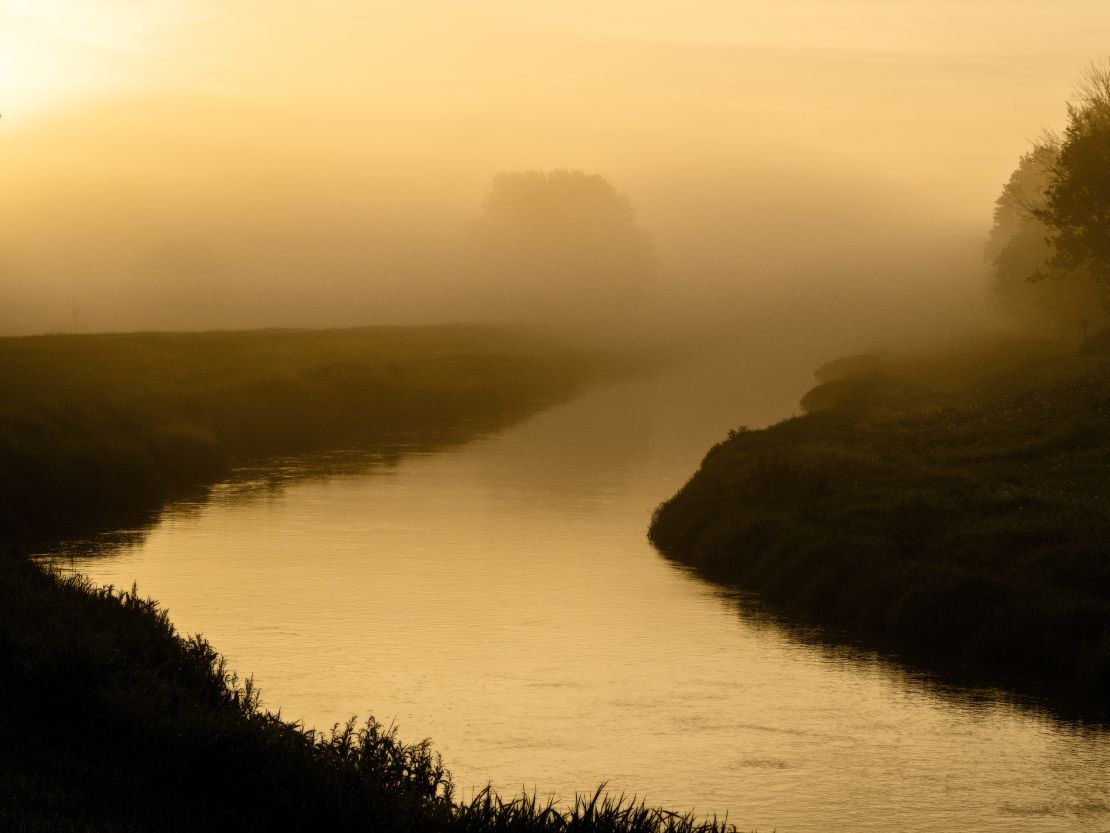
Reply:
x=501, y=598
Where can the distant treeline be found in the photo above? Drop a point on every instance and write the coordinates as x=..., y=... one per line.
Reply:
x=953, y=509
x=95, y=428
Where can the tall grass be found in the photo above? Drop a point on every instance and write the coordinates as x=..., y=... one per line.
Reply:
x=112, y=721
x=597, y=811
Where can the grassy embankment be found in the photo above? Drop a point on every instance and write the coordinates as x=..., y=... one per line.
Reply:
x=109, y=719
x=102, y=429
x=954, y=509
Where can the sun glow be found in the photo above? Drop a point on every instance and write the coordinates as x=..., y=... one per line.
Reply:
x=33, y=72
x=56, y=52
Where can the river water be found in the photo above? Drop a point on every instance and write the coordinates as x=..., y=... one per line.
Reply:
x=501, y=598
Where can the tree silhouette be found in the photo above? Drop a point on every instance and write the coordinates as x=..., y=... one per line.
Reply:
x=1026, y=282
x=1077, y=199
x=1050, y=245
x=563, y=243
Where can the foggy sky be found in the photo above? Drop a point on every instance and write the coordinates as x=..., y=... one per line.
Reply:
x=198, y=164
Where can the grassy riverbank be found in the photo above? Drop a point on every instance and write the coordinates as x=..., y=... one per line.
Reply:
x=97, y=428
x=954, y=508
x=109, y=719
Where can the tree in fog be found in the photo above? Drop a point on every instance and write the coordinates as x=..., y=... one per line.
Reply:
x=561, y=245
x=1026, y=281
x=1077, y=200
x=1050, y=245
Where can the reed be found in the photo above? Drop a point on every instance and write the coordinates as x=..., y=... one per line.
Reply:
x=112, y=721
x=597, y=812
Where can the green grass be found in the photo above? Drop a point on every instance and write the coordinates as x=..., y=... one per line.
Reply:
x=96, y=428
x=954, y=509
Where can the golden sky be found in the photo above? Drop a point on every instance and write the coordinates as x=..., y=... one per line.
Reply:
x=138, y=120
x=575, y=82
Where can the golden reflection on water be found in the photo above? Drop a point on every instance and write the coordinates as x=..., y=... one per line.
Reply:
x=501, y=598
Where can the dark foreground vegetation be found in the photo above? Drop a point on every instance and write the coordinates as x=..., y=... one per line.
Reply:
x=953, y=509
x=109, y=719
x=97, y=428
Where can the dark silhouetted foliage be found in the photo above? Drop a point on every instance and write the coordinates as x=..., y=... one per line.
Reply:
x=1077, y=204
x=111, y=721
x=1050, y=244
x=1027, y=282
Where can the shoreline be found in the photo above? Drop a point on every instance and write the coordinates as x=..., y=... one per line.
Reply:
x=112, y=720
x=942, y=509
x=99, y=431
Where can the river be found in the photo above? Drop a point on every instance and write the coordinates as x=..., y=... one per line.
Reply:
x=500, y=597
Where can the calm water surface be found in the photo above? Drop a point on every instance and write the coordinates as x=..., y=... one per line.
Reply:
x=501, y=598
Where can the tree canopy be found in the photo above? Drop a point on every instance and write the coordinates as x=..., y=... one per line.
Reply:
x=1050, y=245
x=1077, y=204
x=562, y=243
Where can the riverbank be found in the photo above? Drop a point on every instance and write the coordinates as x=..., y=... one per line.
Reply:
x=100, y=430
x=951, y=509
x=112, y=721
